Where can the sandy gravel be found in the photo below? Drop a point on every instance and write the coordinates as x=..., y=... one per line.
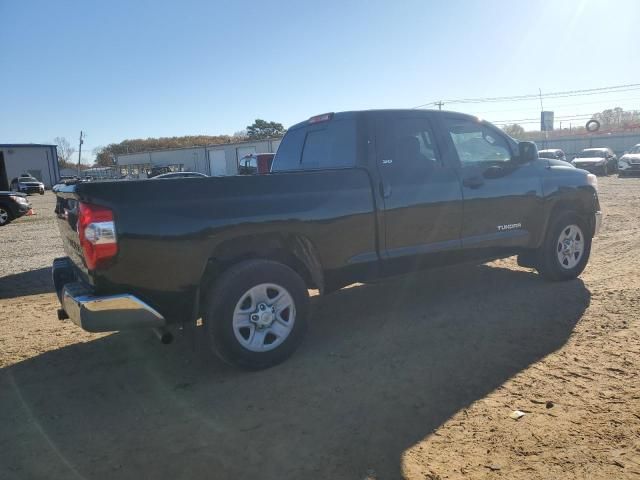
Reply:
x=409, y=378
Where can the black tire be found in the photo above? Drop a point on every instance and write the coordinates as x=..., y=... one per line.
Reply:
x=229, y=290
x=548, y=264
x=5, y=216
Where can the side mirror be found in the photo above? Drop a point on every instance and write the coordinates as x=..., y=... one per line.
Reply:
x=527, y=152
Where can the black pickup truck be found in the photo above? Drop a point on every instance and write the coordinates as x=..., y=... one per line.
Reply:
x=352, y=196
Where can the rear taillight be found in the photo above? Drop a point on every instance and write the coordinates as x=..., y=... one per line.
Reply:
x=97, y=232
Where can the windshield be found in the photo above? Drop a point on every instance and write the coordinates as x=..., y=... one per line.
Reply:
x=28, y=179
x=592, y=154
x=544, y=154
x=635, y=149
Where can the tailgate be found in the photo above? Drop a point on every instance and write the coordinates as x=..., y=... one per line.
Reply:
x=67, y=218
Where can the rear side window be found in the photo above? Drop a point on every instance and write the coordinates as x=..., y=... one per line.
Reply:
x=316, y=151
x=330, y=144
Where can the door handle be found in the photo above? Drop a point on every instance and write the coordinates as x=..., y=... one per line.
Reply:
x=473, y=182
x=385, y=190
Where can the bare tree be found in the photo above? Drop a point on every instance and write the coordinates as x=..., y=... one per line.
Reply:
x=65, y=150
x=514, y=130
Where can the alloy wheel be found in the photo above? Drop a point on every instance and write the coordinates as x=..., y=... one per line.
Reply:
x=264, y=317
x=570, y=246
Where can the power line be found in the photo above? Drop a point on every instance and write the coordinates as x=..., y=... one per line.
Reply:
x=563, y=94
x=560, y=117
x=557, y=106
x=524, y=121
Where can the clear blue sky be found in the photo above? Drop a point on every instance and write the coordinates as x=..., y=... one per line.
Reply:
x=129, y=69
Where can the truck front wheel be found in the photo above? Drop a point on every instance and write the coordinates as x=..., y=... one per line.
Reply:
x=566, y=248
x=257, y=314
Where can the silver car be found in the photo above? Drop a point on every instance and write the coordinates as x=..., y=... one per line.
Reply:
x=629, y=163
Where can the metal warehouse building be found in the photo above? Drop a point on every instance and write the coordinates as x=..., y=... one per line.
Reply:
x=40, y=161
x=218, y=159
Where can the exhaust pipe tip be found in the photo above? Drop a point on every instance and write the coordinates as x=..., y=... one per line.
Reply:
x=164, y=335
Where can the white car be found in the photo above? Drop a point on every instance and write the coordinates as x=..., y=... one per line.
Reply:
x=179, y=175
x=27, y=184
x=553, y=153
x=629, y=163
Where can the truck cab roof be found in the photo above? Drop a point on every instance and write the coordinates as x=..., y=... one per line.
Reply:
x=328, y=116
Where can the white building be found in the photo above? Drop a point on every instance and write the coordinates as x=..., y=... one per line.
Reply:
x=219, y=159
x=40, y=161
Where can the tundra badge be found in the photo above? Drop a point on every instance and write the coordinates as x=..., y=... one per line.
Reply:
x=509, y=226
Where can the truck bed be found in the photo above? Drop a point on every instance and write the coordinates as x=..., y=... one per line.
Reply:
x=169, y=231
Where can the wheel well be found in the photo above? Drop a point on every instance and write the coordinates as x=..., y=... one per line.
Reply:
x=295, y=252
x=573, y=205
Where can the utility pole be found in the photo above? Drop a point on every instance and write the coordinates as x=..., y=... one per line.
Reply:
x=546, y=132
x=440, y=104
x=541, y=107
x=80, y=151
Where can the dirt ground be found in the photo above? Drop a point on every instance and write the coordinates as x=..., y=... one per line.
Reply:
x=410, y=378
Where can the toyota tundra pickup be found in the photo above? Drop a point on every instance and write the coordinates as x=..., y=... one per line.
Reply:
x=352, y=196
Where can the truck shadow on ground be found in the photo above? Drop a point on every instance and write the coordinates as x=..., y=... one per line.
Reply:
x=382, y=367
x=23, y=284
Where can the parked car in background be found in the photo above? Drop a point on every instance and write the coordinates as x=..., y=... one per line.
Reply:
x=629, y=163
x=13, y=205
x=27, y=184
x=597, y=160
x=554, y=153
x=179, y=175
x=256, y=163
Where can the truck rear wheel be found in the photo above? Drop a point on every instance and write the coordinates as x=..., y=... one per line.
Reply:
x=566, y=248
x=257, y=314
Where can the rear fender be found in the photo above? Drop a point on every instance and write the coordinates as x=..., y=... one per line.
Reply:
x=295, y=251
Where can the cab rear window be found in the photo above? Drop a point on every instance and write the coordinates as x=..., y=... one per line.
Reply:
x=329, y=144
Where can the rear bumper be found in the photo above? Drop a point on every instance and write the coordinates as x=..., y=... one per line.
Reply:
x=96, y=313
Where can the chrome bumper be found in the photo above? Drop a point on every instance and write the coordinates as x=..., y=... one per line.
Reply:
x=109, y=313
x=100, y=313
x=598, y=223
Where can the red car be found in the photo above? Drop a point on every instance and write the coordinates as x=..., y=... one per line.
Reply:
x=256, y=163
